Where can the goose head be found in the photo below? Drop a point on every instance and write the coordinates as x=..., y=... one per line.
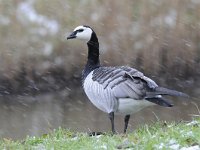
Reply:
x=81, y=32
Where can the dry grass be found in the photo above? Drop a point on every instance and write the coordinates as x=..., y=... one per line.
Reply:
x=157, y=37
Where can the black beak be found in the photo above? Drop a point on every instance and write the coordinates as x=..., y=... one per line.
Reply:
x=72, y=35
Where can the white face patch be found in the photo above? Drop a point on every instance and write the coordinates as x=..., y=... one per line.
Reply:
x=83, y=33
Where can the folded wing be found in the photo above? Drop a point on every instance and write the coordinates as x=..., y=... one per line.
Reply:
x=126, y=82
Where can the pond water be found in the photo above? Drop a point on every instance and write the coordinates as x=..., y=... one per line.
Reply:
x=35, y=115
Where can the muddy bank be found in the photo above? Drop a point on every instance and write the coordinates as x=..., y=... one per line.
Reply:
x=52, y=80
x=57, y=79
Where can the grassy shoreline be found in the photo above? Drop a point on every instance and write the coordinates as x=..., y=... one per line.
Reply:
x=159, y=135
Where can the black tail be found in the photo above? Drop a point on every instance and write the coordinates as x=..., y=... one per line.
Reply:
x=165, y=91
x=160, y=101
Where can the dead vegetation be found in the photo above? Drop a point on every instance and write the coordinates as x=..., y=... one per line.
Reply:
x=157, y=37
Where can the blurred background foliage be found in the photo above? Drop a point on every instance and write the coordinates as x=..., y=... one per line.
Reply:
x=160, y=38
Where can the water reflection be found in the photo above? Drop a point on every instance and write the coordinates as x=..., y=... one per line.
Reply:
x=34, y=115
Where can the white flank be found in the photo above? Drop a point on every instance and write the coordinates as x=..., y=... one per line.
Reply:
x=130, y=106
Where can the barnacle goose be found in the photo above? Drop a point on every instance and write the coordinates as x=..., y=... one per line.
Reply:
x=120, y=90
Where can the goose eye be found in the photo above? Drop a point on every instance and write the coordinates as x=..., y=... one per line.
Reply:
x=80, y=30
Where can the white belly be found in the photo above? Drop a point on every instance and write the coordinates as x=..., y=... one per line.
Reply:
x=130, y=106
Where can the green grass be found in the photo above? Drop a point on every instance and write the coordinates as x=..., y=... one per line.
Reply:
x=159, y=135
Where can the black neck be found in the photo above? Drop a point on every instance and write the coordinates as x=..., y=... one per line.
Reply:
x=93, y=55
